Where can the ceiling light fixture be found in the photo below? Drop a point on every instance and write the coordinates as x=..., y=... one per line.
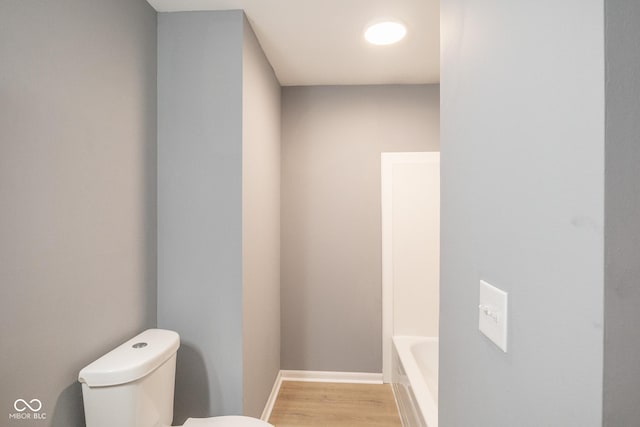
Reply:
x=385, y=33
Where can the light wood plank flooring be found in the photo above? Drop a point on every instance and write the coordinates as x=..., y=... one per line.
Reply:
x=315, y=404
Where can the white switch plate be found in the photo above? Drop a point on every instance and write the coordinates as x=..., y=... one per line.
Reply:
x=492, y=314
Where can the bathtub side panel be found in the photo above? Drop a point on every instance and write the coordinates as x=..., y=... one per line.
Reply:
x=405, y=399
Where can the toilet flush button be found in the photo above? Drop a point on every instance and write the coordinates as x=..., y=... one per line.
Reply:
x=139, y=345
x=492, y=314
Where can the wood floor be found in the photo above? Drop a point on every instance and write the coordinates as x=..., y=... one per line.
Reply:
x=316, y=404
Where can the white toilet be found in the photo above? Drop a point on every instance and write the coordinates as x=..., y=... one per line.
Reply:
x=132, y=386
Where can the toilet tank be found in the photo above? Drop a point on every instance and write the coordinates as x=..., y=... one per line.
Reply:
x=132, y=385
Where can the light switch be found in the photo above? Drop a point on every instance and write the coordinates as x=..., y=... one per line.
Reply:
x=492, y=314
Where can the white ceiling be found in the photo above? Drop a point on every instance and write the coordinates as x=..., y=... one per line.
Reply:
x=321, y=42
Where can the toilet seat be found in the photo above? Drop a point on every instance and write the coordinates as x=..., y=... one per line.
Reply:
x=226, y=421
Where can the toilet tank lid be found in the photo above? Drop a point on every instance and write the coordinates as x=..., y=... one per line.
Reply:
x=132, y=360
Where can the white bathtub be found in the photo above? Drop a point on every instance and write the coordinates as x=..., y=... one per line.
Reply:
x=415, y=380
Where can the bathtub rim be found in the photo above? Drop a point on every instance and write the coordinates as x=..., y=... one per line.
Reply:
x=427, y=403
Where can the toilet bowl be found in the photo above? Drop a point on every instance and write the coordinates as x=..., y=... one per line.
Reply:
x=133, y=385
x=231, y=421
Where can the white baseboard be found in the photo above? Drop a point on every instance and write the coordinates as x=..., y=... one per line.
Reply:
x=317, y=376
x=266, y=413
x=332, y=377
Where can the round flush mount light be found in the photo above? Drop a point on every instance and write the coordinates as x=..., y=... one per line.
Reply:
x=385, y=32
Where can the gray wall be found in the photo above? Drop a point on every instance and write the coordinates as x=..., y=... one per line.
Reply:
x=260, y=225
x=218, y=211
x=200, y=206
x=622, y=213
x=331, y=232
x=77, y=185
x=522, y=105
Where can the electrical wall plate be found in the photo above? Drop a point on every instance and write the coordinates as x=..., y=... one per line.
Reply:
x=492, y=314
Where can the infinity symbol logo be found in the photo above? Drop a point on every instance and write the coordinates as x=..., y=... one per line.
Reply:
x=21, y=405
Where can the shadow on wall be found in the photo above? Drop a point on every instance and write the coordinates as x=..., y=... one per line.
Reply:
x=69, y=409
x=192, y=386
